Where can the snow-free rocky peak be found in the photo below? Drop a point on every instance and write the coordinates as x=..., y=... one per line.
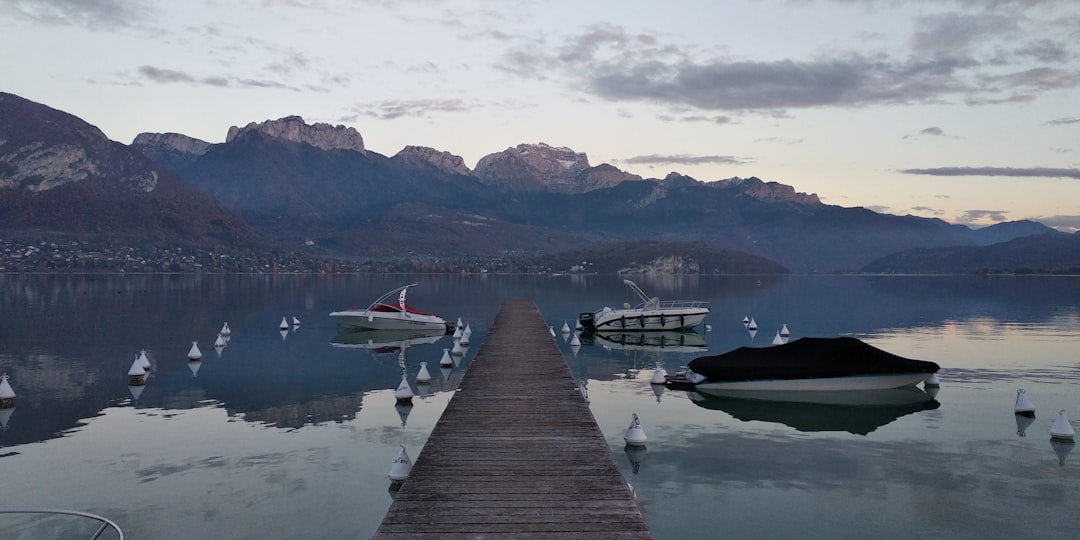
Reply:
x=293, y=128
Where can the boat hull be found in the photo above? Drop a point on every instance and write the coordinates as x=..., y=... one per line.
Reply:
x=638, y=320
x=374, y=320
x=824, y=384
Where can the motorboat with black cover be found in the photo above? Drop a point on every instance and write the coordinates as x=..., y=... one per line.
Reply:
x=806, y=364
x=651, y=314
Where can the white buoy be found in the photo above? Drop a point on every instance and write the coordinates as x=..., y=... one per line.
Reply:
x=457, y=334
x=635, y=436
x=464, y=341
x=219, y=342
x=784, y=331
x=746, y=320
x=1062, y=430
x=1024, y=405
x=467, y=332
x=284, y=324
x=658, y=377
x=459, y=324
x=423, y=376
x=194, y=353
x=565, y=328
x=136, y=375
x=144, y=361
x=752, y=326
x=404, y=393
x=401, y=468
x=446, y=361
x=552, y=330
x=708, y=328
x=778, y=340
x=7, y=393
x=575, y=341
x=295, y=321
x=578, y=326
x=458, y=350
x=932, y=381
x=225, y=330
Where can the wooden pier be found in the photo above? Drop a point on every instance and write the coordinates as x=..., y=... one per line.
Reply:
x=517, y=453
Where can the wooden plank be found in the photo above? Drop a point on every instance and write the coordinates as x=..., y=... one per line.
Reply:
x=517, y=452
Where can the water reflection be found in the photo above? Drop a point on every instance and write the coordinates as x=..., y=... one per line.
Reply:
x=858, y=412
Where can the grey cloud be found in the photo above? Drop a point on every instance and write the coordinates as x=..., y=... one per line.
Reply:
x=621, y=67
x=932, y=131
x=1061, y=222
x=1064, y=121
x=683, y=159
x=170, y=76
x=927, y=210
x=952, y=32
x=397, y=108
x=1045, y=50
x=165, y=75
x=1038, y=172
x=1042, y=78
x=974, y=216
x=90, y=14
x=953, y=57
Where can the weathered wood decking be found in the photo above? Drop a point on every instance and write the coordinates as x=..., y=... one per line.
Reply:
x=517, y=452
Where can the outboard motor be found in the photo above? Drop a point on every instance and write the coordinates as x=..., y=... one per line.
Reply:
x=586, y=320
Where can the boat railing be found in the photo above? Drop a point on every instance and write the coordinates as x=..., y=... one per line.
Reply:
x=103, y=524
x=678, y=304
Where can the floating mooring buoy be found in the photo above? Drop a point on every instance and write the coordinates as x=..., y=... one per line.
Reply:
x=1024, y=405
x=635, y=436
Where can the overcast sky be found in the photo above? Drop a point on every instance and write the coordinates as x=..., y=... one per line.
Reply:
x=966, y=110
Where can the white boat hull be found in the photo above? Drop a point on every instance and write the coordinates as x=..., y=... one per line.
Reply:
x=374, y=320
x=823, y=384
x=649, y=320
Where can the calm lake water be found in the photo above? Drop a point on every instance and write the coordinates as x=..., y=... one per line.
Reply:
x=291, y=434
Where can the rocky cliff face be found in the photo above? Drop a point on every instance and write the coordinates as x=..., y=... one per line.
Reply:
x=171, y=150
x=772, y=191
x=540, y=167
x=42, y=149
x=443, y=161
x=293, y=128
x=62, y=175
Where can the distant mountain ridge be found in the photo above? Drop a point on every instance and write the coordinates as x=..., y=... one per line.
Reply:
x=1048, y=253
x=540, y=197
x=317, y=185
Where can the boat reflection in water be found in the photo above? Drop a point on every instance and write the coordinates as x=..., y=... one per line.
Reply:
x=855, y=411
x=386, y=341
x=657, y=341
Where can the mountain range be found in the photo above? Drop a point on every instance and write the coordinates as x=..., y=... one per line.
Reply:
x=317, y=188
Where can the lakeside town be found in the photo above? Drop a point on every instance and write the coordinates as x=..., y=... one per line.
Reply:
x=74, y=256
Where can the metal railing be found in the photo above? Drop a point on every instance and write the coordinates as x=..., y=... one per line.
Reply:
x=106, y=524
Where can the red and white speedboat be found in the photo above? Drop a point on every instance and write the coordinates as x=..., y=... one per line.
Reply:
x=387, y=314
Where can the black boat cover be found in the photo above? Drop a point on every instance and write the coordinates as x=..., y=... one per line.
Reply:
x=806, y=358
